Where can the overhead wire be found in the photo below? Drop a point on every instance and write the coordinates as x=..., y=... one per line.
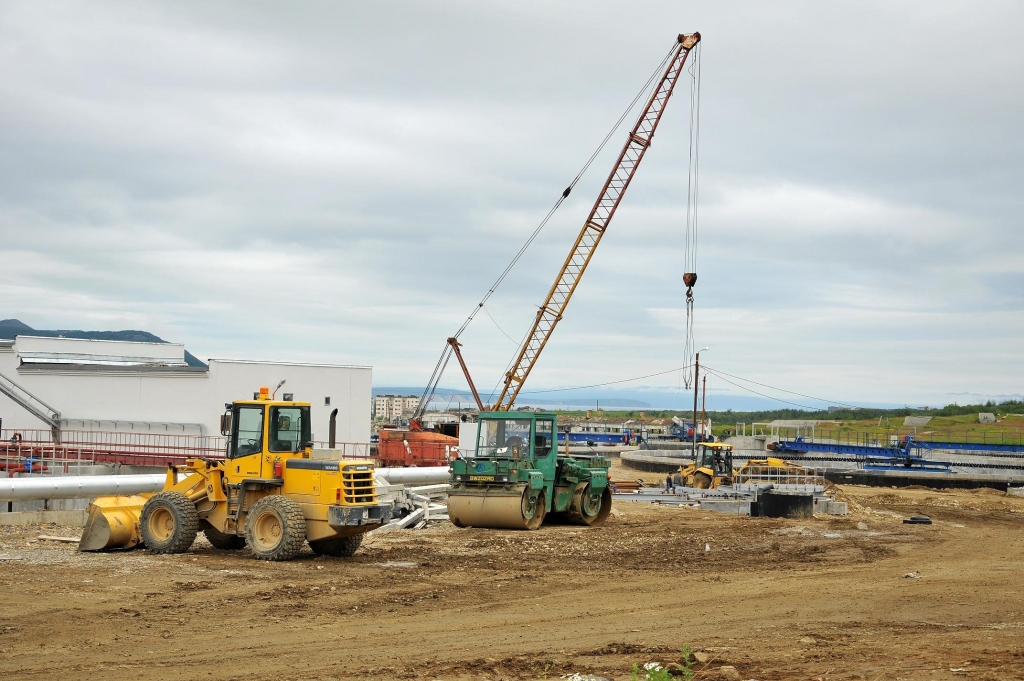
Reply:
x=498, y=326
x=601, y=385
x=725, y=376
x=720, y=373
x=751, y=390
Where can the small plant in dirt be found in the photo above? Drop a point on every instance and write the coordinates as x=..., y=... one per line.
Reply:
x=653, y=671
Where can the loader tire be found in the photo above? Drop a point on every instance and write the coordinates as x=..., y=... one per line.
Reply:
x=169, y=523
x=702, y=480
x=222, y=540
x=275, y=528
x=339, y=547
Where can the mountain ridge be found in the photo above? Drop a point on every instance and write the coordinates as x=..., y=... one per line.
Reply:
x=10, y=328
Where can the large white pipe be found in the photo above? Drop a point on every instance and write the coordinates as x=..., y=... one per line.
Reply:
x=90, y=486
x=78, y=486
x=426, y=475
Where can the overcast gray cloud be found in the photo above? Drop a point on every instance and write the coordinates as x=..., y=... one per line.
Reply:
x=342, y=182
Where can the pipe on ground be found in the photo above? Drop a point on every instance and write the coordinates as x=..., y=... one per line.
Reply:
x=425, y=475
x=78, y=486
x=91, y=486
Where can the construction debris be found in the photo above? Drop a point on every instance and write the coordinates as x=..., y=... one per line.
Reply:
x=413, y=507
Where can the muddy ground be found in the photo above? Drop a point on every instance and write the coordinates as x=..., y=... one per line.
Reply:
x=823, y=598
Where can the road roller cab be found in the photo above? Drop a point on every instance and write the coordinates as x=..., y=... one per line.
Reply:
x=268, y=493
x=515, y=477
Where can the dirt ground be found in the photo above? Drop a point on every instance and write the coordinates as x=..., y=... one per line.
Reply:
x=822, y=598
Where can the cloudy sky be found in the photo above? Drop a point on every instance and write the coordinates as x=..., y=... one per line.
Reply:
x=341, y=182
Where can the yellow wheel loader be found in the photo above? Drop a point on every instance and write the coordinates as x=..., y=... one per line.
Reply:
x=267, y=494
x=713, y=466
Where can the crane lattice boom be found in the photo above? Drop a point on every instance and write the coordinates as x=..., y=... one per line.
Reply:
x=594, y=227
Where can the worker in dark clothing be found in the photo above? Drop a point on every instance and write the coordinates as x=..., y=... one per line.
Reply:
x=668, y=483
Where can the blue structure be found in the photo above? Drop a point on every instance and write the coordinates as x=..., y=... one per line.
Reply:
x=595, y=438
x=894, y=457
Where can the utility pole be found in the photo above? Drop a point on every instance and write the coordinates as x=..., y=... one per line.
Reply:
x=696, y=371
x=704, y=403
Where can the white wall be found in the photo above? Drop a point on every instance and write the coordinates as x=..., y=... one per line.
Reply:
x=188, y=396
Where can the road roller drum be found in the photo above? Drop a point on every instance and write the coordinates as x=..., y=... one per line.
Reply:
x=517, y=508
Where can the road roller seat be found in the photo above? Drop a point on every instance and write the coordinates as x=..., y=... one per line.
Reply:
x=515, y=446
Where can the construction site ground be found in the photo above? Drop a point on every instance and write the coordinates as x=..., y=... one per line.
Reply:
x=857, y=597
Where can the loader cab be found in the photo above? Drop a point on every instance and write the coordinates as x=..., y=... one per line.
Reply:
x=716, y=457
x=261, y=431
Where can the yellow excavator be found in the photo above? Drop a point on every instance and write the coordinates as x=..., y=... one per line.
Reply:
x=268, y=493
x=713, y=467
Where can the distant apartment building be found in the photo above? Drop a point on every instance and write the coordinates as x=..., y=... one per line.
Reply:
x=394, y=407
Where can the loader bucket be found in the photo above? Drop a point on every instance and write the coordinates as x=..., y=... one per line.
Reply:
x=113, y=523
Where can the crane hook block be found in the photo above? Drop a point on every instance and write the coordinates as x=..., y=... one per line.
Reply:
x=690, y=279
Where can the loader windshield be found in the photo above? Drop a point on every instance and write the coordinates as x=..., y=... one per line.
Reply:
x=505, y=438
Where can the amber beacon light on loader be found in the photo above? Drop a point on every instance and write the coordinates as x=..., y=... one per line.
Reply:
x=268, y=493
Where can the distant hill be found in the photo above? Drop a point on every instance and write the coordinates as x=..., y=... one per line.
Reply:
x=9, y=328
x=450, y=397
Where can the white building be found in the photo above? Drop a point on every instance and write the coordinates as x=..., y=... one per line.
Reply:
x=148, y=387
x=393, y=407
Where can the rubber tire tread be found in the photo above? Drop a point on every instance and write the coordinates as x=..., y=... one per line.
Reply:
x=338, y=547
x=222, y=540
x=293, y=528
x=702, y=480
x=186, y=522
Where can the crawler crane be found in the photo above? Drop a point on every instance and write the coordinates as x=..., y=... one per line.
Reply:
x=515, y=477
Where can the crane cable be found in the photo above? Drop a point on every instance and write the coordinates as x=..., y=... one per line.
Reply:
x=442, y=362
x=690, y=247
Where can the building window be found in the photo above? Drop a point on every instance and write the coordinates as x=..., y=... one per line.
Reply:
x=327, y=401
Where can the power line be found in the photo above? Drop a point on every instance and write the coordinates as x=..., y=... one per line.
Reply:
x=783, y=390
x=751, y=390
x=600, y=385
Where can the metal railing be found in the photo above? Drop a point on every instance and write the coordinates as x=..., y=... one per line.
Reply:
x=780, y=477
x=83, y=448
x=895, y=435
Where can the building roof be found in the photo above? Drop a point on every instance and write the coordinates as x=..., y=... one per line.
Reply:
x=43, y=350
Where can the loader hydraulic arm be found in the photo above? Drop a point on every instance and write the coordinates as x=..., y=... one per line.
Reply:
x=550, y=313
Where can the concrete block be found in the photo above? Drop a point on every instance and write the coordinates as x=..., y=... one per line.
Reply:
x=828, y=506
x=735, y=507
x=837, y=508
x=1015, y=491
